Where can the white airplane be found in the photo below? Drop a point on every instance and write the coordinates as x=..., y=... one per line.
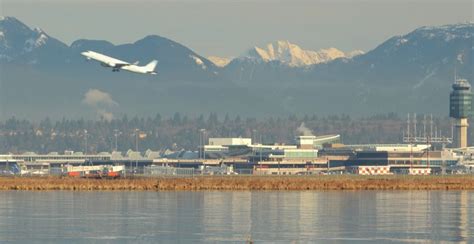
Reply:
x=117, y=65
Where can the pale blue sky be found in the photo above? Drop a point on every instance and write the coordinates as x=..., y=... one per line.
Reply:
x=228, y=28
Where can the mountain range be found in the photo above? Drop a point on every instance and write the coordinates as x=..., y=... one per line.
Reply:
x=41, y=76
x=292, y=55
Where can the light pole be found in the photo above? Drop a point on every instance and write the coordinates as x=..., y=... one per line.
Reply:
x=200, y=145
x=204, y=144
x=203, y=141
x=136, y=148
x=327, y=164
x=85, y=142
x=261, y=147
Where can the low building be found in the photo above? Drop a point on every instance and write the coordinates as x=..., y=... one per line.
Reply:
x=290, y=167
x=309, y=142
x=403, y=159
x=67, y=157
x=230, y=141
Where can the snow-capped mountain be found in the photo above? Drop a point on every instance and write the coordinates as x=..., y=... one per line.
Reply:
x=41, y=76
x=20, y=43
x=175, y=61
x=406, y=73
x=419, y=58
x=219, y=61
x=354, y=53
x=292, y=55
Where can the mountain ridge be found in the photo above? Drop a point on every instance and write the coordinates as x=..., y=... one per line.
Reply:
x=405, y=73
x=293, y=55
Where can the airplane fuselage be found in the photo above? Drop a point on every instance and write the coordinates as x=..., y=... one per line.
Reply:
x=117, y=64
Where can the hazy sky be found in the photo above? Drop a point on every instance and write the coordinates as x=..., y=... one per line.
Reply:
x=228, y=28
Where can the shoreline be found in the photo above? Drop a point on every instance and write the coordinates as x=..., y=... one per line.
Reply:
x=240, y=183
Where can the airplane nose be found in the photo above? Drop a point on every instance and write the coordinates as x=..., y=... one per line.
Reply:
x=84, y=53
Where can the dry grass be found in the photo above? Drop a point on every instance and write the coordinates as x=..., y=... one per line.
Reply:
x=243, y=183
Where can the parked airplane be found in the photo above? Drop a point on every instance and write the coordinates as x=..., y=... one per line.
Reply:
x=117, y=65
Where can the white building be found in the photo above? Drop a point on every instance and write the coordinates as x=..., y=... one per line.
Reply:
x=230, y=141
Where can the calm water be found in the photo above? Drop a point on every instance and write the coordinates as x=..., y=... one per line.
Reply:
x=210, y=217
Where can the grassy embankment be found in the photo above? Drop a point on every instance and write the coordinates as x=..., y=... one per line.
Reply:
x=243, y=183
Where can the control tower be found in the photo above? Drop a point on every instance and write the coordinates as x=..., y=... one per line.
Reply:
x=460, y=108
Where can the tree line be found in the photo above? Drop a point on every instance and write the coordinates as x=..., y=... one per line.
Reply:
x=182, y=132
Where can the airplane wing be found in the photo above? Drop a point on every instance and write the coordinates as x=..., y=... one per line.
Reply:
x=109, y=61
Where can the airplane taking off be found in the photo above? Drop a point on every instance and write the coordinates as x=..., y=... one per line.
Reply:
x=117, y=65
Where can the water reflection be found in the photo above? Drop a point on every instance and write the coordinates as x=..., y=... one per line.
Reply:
x=360, y=216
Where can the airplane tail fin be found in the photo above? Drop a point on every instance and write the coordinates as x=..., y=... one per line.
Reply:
x=151, y=66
